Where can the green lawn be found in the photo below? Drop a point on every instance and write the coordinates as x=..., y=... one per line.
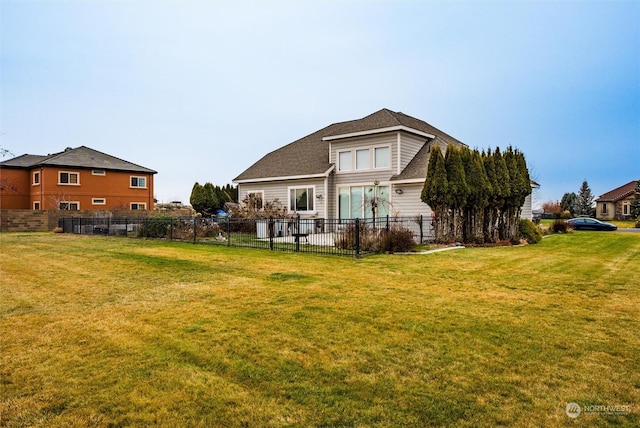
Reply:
x=102, y=331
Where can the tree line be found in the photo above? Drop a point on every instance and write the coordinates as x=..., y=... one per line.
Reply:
x=207, y=199
x=476, y=197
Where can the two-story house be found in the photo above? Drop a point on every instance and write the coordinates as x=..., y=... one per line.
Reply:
x=75, y=179
x=337, y=171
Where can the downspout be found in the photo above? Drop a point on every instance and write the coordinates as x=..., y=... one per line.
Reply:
x=326, y=196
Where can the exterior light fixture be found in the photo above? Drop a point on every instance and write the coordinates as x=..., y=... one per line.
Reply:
x=399, y=191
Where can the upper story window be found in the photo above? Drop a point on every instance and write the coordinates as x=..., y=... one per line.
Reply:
x=72, y=178
x=344, y=161
x=364, y=159
x=98, y=172
x=301, y=199
x=36, y=178
x=140, y=182
x=382, y=157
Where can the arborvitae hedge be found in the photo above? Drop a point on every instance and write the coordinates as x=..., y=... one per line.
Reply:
x=476, y=197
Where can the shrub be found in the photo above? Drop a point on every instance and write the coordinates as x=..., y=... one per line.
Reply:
x=369, y=238
x=560, y=226
x=397, y=239
x=157, y=227
x=529, y=231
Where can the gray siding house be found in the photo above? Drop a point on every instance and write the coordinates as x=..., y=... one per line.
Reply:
x=336, y=171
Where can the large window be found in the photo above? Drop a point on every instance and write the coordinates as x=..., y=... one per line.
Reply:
x=362, y=201
x=365, y=159
x=301, y=199
x=71, y=178
x=139, y=182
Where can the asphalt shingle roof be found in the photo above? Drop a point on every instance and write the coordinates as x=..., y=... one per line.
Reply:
x=619, y=193
x=310, y=155
x=80, y=157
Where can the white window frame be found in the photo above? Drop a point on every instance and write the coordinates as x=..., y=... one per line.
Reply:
x=353, y=159
x=626, y=208
x=70, y=173
x=36, y=178
x=77, y=203
x=137, y=177
x=345, y=168
x=364, y=198
x=36, y=205
x=98, y=201
x=98, y=172
x=138, y=206
x=255, y=192
x=310, y=199
x=375, y=157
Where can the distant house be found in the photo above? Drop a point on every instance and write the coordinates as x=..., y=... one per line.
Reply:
x=332, y=172
x=616, y=204
x=75, y=179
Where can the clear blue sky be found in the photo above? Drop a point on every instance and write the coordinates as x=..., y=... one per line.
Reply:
x=199, y=90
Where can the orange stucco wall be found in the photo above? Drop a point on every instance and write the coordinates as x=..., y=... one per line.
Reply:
x=14, y=188
x=113, y=187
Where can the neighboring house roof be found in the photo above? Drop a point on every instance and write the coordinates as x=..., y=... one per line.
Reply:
x=80, y=157
x=619, y=193
x=309, y=156
x=23, y=161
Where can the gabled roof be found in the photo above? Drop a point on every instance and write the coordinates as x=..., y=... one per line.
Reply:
x=386, y=119
x=309, y=156
x=619, y=193
x=80, y=157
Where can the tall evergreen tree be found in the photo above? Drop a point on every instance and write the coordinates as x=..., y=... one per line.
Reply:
x=493, y=200
x=434, y=191
x=569, y=202
x=197, y=198
x=503, y=192
x=478, y=197
x=585, y=200
x=520, y=187
x=458, y=192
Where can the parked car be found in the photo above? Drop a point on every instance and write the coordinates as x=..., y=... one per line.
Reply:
x=585, y=223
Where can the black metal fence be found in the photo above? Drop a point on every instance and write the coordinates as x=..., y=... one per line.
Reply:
x=351, y=237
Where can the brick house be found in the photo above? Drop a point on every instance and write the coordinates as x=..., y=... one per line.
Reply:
x=616, y=204
x=75, y=179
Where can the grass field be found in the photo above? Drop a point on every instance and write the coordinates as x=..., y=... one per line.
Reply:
x=125, y=332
